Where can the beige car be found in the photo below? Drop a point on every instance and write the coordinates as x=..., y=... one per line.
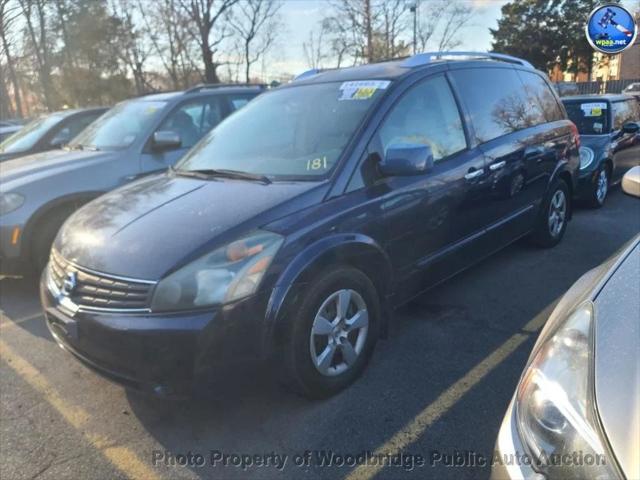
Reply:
x=576, y=410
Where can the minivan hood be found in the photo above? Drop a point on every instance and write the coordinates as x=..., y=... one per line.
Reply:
x=19, y=171
x=147, y=228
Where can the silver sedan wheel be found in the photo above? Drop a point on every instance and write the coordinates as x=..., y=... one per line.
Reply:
x=602, y=187
x=339, y=332
x=557, y=213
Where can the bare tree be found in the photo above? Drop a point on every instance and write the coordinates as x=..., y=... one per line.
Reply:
x=166, y=25
x=313, y=48
x=206, y=16
x=255, y=22
x=445, y=19
x=134, y=48
x=35, y=16
x=8, y=14
x=395, y=24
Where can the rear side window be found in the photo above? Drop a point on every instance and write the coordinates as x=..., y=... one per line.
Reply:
x=591, y=117
x=426, y=115
x=543, y=103
x=496, y=101
x=624, y=112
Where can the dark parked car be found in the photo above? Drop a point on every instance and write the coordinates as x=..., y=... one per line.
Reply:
x=9, y=127
x=579, y=395
x=48, y=132
x=609, y=127
x=135, y=138
x=293, y=229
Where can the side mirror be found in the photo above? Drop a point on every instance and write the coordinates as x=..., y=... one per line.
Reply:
x=631, y=127
x=165, y=140
x=631, y=182
x=405, y=159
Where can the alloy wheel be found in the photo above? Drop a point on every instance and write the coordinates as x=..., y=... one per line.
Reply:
x=602, y=186
x=339, y=332
x=557, y=213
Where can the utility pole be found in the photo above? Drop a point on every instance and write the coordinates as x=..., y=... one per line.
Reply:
x=414, y=9
x=367, y=26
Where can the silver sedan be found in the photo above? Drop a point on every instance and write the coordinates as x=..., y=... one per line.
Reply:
x=576, y=410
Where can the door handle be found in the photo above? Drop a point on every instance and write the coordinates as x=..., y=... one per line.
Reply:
x=497, y=166
x=474, y=174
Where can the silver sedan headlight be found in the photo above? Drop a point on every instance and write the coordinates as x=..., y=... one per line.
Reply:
x=586, y=157
x=555, y=405
x=227, y=274
x=10, y=202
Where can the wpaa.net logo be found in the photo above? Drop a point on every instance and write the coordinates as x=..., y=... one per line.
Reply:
x=611, y=28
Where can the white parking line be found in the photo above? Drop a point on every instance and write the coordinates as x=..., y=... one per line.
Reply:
x=413, y=430
x=123, y=458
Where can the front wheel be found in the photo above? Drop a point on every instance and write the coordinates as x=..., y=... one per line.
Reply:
x=332, y=333
x=554, y=214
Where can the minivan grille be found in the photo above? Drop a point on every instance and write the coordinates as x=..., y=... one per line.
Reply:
x=95, y=290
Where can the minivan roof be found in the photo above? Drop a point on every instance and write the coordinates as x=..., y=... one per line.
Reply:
x=612, y=97
x=398, y=67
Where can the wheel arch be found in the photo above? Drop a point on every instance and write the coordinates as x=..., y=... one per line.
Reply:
x=563, y=173
x=355, y=250
x=75, y=201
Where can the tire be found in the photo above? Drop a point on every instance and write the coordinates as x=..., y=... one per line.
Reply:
x=598, y=194
x=322, y=364
x=44, y=235
x=548, y=231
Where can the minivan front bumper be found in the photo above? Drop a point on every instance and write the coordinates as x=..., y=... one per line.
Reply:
x=165, y=354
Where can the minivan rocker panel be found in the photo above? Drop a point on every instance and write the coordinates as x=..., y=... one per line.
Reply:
x=111, y=234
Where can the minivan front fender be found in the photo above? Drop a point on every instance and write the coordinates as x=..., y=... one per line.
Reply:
x=353, y=249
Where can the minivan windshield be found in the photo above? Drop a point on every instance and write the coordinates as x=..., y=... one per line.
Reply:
x=591, y=117
x=120, y=126
x=291, y=133
x=30, y=134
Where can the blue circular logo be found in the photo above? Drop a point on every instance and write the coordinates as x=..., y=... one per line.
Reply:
x=611, y=28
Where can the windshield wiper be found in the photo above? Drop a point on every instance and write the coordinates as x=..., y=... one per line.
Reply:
x=223, y=172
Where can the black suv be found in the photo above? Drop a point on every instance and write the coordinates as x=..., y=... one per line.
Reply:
x=609, y=127
x=294, y=228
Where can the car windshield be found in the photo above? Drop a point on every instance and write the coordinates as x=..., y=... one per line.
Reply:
x=591, y=117
x=119, y=127
x=293, y=133
x=29, y=135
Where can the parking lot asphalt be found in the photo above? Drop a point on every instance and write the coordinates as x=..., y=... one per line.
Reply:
x=440, y=384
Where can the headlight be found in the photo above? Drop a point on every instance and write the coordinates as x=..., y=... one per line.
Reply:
x=586, y=157
x=555, y=405
x=229, y=273
x=10, y=202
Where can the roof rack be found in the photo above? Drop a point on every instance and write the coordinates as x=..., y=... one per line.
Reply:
x=209, y=86
x=429, y=57
x=311, y=73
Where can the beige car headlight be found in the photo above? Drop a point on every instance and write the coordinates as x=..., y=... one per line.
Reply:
x=555, y=405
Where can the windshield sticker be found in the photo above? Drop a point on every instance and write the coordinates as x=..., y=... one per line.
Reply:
x=597, y=127
x=361, y=90
x=593, y=109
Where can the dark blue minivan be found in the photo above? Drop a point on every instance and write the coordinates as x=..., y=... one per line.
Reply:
x=292, y=230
